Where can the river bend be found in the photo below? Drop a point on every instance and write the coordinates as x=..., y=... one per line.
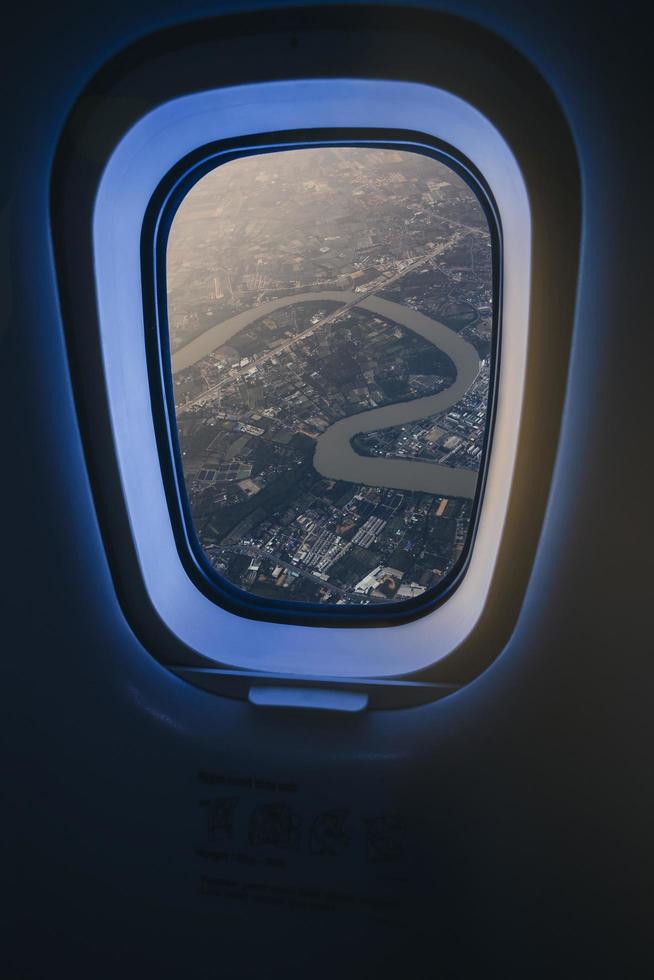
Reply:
x=334, y=456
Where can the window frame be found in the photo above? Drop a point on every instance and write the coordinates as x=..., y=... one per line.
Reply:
x=409, y=47
x=159, y=217
x=142, y=158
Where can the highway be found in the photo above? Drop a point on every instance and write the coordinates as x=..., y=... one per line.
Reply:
x=218, y=335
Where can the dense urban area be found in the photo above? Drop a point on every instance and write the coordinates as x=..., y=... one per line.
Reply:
x=273, y=264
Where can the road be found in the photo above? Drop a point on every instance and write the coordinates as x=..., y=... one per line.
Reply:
x=334, y=456
x=218, y=335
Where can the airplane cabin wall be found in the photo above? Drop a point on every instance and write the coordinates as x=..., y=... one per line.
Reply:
x=526, y=797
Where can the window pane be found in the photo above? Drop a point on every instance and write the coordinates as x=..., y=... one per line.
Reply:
x=330, y=320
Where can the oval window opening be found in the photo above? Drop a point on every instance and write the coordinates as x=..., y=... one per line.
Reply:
x=330, y=336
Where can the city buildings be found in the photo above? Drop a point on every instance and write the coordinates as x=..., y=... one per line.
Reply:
x=309, y=237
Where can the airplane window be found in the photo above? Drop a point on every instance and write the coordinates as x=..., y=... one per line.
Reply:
x=240, y=539
x=330, y=316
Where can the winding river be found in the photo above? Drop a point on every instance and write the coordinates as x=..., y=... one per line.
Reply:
x=334, y=456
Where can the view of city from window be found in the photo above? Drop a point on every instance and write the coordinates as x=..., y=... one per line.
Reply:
x=330, y=320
